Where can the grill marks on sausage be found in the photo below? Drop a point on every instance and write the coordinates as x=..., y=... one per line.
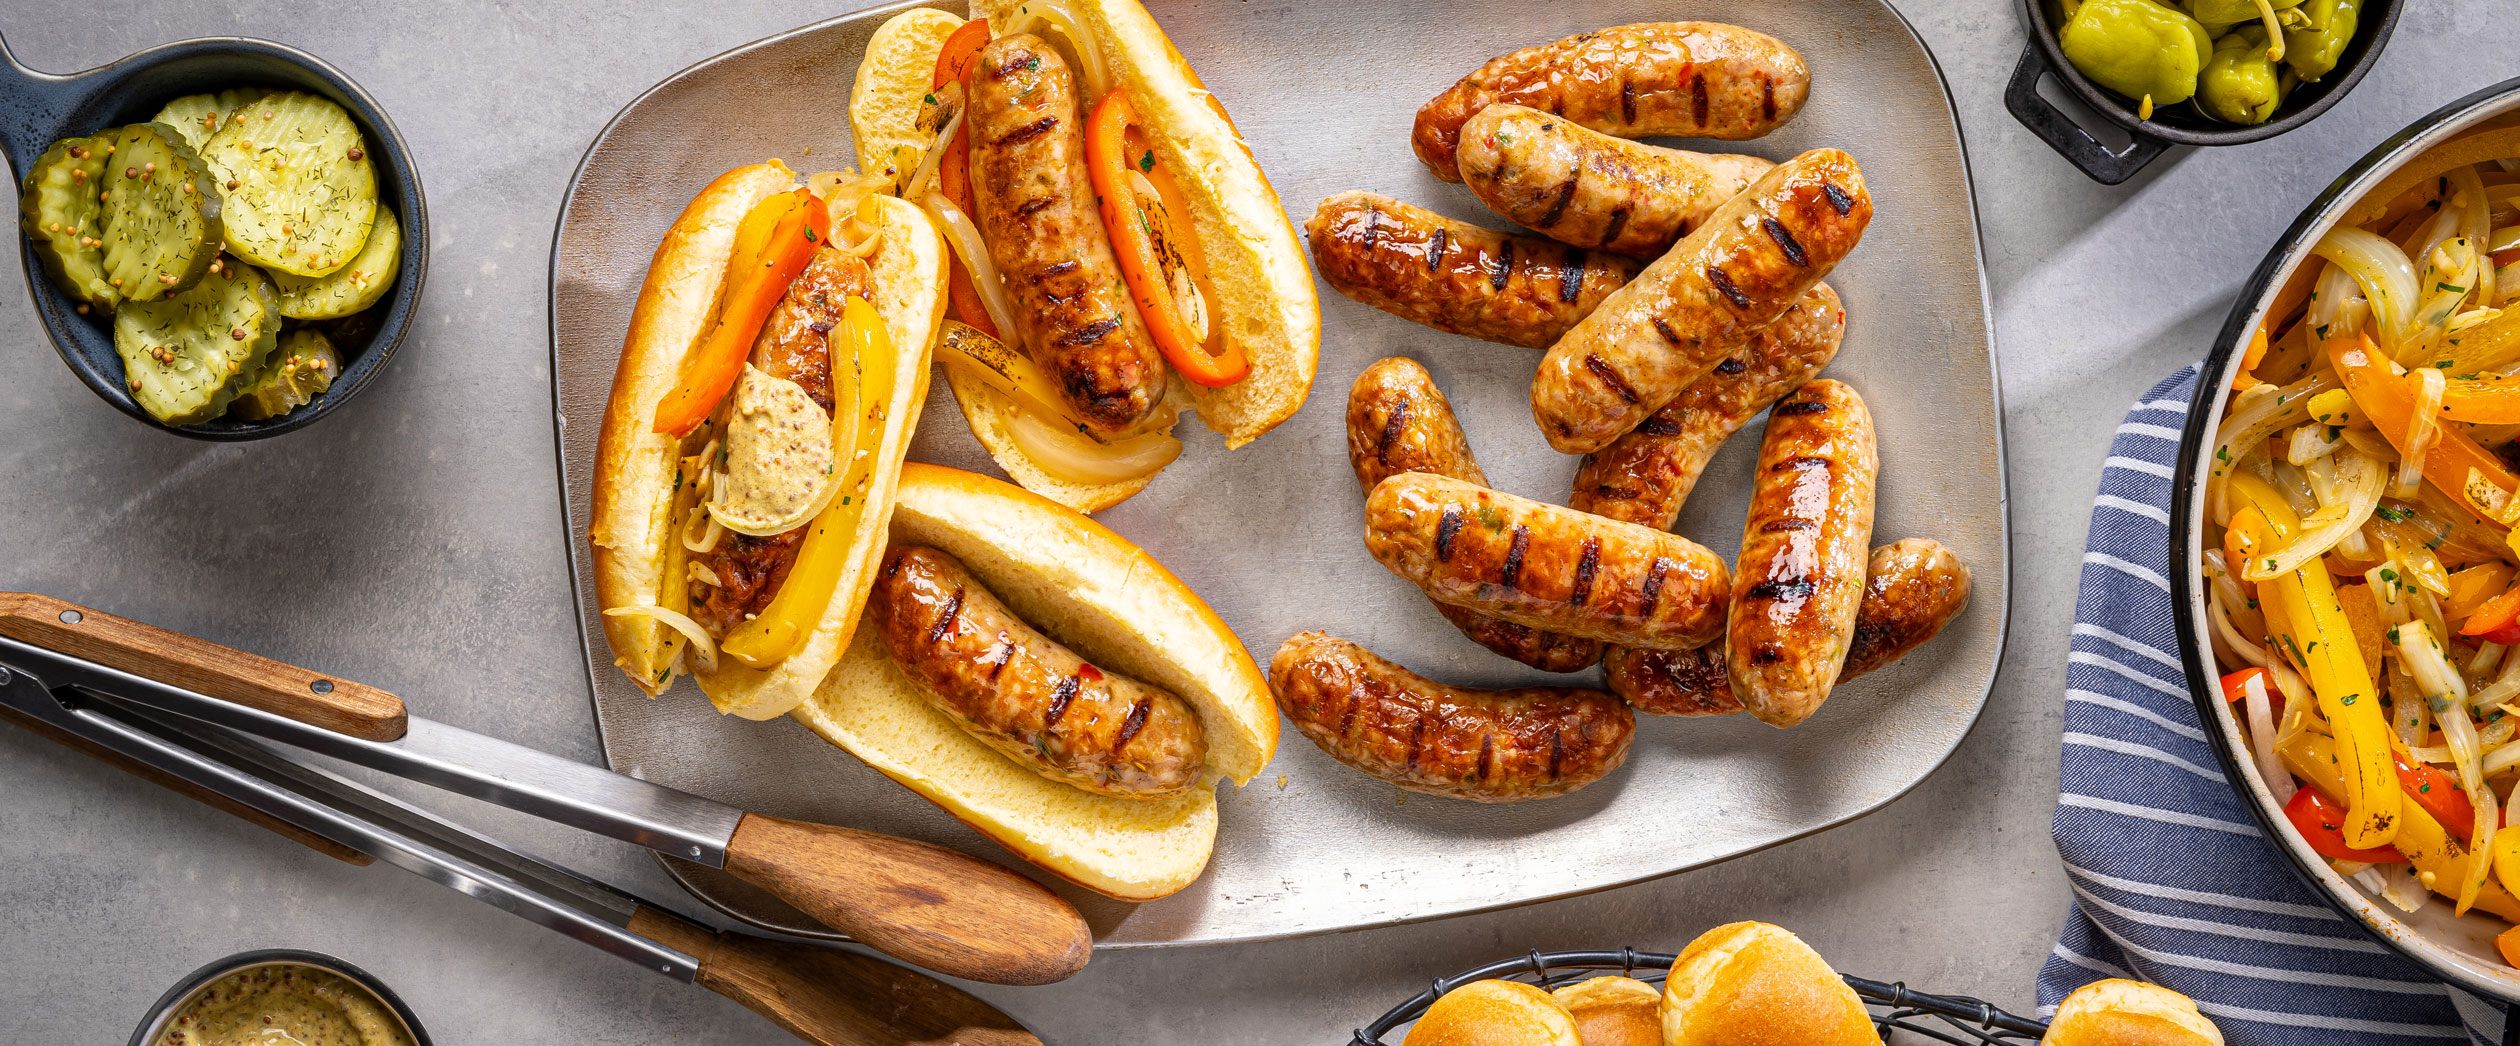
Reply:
x=1785, y=241
x=1627, y=98
x=1802, y=406
x=1610, y=376
x=1029, y=131
x=1557, y=207
x=1091, y=332
x=1135, y=722
x=1767, y=96
x=1668, y=335
x=1723, y=282
x=1697, y=98
x=1838, y=198
x=1373, y=233
x=1393, y=427
x=1504, y=266
x=1798, y=464
x=1514, y=556
x=1446, y=528
x=1434, y=253
x=1732, y=365
x=1653, y=586
x=1780, y=526
x=946, y=621
x=1000, y=653
x=1032, y=207
x=1586, y=565
x=1618, y=224
x=1661, y=424
x=1571, y=277
x=1059, y=700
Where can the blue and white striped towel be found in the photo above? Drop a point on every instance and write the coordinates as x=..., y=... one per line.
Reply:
x=2173, y=882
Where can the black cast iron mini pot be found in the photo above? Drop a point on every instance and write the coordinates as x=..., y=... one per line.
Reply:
x=2179, y=124
x=2458, y=949
x=164, y=1009
x=38, y=109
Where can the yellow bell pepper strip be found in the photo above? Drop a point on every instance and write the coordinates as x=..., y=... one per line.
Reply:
x=2438, y=858
x=2250, y=357
x=2453, y=463
x=1153, y=239
x=2317, y=637
x=790, y=618
x=2507, y=869
x=773, y=244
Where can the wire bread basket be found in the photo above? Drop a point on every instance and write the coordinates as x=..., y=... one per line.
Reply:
x=1905, y=1016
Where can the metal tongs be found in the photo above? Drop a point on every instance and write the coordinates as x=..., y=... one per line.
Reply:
x=183, y=712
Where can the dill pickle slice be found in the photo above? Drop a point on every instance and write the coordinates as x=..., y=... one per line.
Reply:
x=300, y=185
x=353, y=287
x=299, y=371
x=198, y=116
x=185, y=356
x=161, y=213
x=60, y=210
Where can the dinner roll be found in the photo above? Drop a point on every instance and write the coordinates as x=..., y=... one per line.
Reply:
x=1614, y=1011
x=1752, y=984
x=1494, y=1013
x=2129, y=1013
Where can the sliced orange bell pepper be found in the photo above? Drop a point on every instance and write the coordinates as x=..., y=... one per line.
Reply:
x=1145, y=238
x=2387, y=402
x=953, y=170
x=2473, y=587
x=2481, y=401
x=777, y=239
x=2498, y=620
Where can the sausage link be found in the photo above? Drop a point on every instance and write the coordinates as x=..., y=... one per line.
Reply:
x=1693, y=306
x=1457, y=277
x=1913, y=587
x=1587, y=189
x=1037, y=212
x=1645, y=476
x=1487, y=746
x=1022, y=693
x=1800, y=577
x=1544, y=566
x=1398, y=421
x=1682, y=79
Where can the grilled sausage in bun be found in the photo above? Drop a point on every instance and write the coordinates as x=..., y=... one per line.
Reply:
x=1119, y=256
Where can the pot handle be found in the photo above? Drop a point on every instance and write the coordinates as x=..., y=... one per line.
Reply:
x=32, y=105
x=2064, y=135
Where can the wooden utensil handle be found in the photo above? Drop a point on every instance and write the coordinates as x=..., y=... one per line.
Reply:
x=179, y=786
x=831, y=997
x=938, y=908
x=200, y=665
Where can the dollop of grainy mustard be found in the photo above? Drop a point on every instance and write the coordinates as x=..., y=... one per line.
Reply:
x=284, y=1005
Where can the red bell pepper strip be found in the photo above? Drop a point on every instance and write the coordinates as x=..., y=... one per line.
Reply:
x=2319, y=820
x=2498, y=621
x=2235, y=689
x=953, y=170
x=1143, y=237
x=777, y=239
x=2439, y=794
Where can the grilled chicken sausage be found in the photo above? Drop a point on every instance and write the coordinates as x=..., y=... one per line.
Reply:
x=749, y=569
x=1683, y=79
x=1692, y=307
x=1457, y=277
x=1038, y=214
x=1398, y=421
x=1587, y=189
x=1544, y=566
x=1487, y=746
x=1644, y=477
x=1022, y=693
x=1800, y=576
x=1912, y=589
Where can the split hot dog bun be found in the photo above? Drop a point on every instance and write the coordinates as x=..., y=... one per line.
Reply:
x=1752, y=984
x=635, y=473
x=1494, y=1013
x=1263, y=289
x=1114, y=605
x=2129, y=1013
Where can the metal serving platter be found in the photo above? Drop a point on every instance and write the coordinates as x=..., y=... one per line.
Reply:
x=1269, y=534
x=2460, y=949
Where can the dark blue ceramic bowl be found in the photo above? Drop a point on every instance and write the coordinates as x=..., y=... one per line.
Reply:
x=38, y=109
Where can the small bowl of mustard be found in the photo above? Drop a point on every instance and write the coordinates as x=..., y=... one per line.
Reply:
x=258, y=997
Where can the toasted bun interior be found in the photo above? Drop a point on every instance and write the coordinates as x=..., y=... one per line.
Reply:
x=908, y=270
x=1112, y=603
x=1614, y=1011
x=1752, y=984
x=2129, y=1013
x=1494, y=1013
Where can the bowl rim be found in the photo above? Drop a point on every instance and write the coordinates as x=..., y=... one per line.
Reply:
x=2115, y=110
x=53, y=309
x=153, y=1021
x=2204, y=409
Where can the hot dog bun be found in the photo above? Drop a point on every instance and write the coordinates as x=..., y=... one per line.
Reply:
x=2129, y=1013
x=1494, y=1013
x=1614, y=1011
x=635, y=466
x=1264, y=289
x=1110, y=602
x=1752, y=984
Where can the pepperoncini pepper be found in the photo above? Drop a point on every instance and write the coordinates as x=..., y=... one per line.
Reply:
x=2311, y=52
x=2239, y=84
x=2137, y=48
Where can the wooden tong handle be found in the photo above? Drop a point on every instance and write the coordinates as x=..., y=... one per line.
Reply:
x=942, y=909
x=179, y=786
x=200, y=665
x=830, y=997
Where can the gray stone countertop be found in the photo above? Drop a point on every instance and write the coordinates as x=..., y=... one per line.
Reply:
x=111, y=889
